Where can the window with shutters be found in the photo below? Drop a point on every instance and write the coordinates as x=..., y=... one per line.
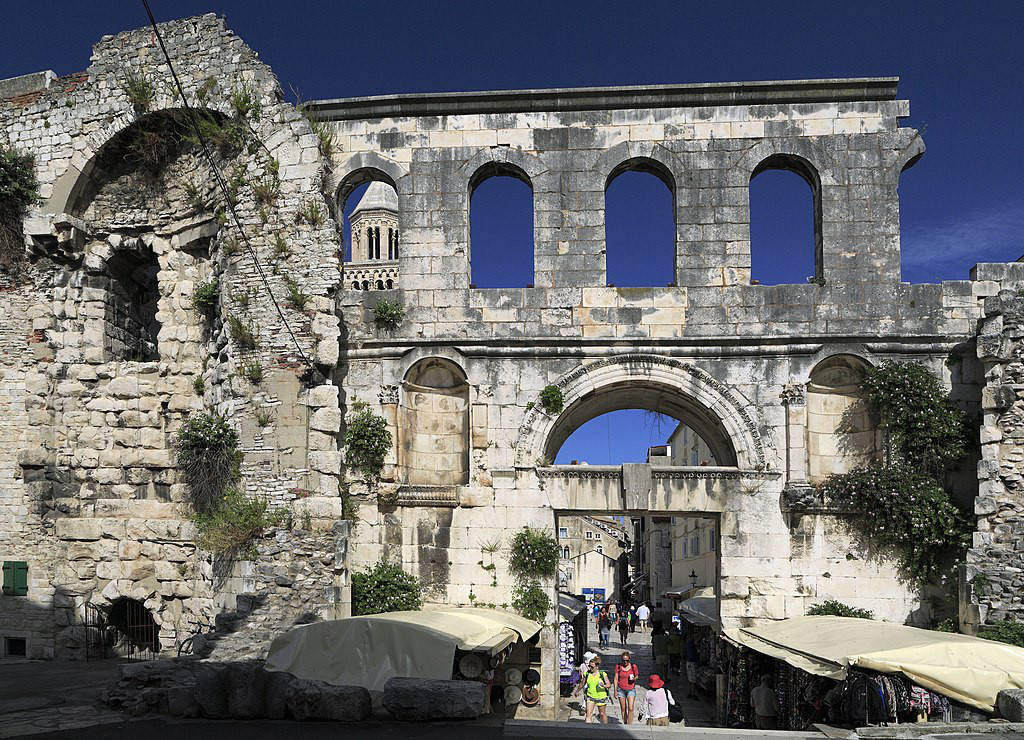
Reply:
x=15, y=578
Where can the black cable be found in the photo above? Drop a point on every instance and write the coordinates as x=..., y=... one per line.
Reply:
x=220, y=182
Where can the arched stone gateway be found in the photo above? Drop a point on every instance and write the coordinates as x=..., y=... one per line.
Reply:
x=716, y=412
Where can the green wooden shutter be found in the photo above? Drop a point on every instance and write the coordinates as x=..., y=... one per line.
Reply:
x=15, y=578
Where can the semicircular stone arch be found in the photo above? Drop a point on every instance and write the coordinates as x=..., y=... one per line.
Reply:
x=720, y=414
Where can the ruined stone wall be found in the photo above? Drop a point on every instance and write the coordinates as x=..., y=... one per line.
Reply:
x=993, y=587
x=117, y=221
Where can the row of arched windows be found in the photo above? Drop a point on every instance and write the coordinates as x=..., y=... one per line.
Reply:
x=640, y=229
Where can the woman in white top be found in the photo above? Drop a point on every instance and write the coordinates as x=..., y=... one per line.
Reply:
x=656, y=702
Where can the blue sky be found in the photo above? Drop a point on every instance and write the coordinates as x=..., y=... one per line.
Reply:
x=960, y=66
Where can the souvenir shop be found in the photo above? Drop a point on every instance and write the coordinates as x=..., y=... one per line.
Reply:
x=856, y=673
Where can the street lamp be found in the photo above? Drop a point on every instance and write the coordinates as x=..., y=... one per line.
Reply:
x=693, y=578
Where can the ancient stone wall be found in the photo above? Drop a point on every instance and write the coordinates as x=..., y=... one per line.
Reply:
x=130, y=225
x=994, y=576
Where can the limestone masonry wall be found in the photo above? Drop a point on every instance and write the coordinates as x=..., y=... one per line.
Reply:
x=105, y=355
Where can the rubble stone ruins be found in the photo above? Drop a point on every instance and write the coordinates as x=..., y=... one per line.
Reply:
x=105, y=355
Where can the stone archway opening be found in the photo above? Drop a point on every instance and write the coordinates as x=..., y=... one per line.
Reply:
x=694, y=419
x=135, y=625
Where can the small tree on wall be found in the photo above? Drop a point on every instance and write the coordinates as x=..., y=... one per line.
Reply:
x=208, y=456
x=367, y=441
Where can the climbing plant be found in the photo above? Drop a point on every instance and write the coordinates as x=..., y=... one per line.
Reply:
x=205, y=297
x=385, y=587
x=208, y=457
x=922, y=426
x=367, y=441
x=388, y=314
x=900, y=501
x=18, y=190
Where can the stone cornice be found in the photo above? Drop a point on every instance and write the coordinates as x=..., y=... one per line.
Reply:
x=788, y=92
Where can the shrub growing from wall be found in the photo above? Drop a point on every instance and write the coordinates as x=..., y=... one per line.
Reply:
x=18, y=190
x=208, y=457
x=385, y=587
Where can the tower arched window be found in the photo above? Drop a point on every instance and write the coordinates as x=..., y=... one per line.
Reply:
x=376, y=242
x=369, y=243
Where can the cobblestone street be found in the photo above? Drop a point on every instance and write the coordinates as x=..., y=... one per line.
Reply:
x=696, y=713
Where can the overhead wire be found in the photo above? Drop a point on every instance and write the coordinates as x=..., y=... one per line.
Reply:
x=222, y=185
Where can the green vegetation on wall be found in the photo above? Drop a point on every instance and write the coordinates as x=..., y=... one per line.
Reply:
x=208, y=457
x=366, y=442
x=18, y=190
x=833, y=608
x=385, y=587
x=901, y=504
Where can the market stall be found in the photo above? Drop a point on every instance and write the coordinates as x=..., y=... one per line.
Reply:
x=472, y=643
x=859, y=671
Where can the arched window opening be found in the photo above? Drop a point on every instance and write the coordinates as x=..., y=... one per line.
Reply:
x=640, y=225
x=565, y=552
x=501, y=227
x=785, y=222
x=134, y=624
x=355, y=284
x=366, y=285
x=634, y=435
x=130, y=308
x=390, y=284
x=380, y=285
x=841, y=434
x=433, y=424
x=368, y=202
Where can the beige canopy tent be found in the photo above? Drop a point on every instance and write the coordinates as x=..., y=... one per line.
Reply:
x=968, y=669
x=367, y=651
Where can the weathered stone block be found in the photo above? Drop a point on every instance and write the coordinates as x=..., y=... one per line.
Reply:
x=1010, y=704
x=308, y=699
x=419, y=699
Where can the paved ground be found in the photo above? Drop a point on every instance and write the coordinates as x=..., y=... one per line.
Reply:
x=695, y=713
x=42, y=696
x=169, y=729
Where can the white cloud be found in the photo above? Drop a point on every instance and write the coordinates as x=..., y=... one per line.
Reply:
x=947, y=251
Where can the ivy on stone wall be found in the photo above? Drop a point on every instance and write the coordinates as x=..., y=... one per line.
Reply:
x=385, y=587
x=18, y=190
x=208, y=457
x=551, y=399
x=901, y=504
x=531, y=600
x=1006, y=630
x=367, y=441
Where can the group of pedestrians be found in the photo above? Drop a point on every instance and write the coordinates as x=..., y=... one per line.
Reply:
x=672, y=650
x=625, y=618
x=657, y=705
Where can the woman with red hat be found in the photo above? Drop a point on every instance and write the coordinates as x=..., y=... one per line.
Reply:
x=656, y=702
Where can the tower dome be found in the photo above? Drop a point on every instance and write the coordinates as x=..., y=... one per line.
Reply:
x=379, y=196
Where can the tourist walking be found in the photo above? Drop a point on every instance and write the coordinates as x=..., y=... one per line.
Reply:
x=659, y=648
x=643, y=613
x=581, y=678
x=765, y=704
x=657, y=701
x=623, y=627
x=675, y=650
x=604, y=630
x=626, y=674
x=632, y=618
x=597, y=687
x=692, y=660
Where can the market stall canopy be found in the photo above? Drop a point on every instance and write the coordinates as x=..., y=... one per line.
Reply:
x=367, y=651
x=701, y=608
x=968, y=669
x=569, y=607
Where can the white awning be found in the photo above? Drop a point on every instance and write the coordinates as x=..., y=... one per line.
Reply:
x=968, y=669
x=367, y=651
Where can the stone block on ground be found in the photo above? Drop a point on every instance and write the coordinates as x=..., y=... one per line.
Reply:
x=308, y=699
x=1010, y=704
x=245, y=686
x=211, y=691
x=413, y=699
